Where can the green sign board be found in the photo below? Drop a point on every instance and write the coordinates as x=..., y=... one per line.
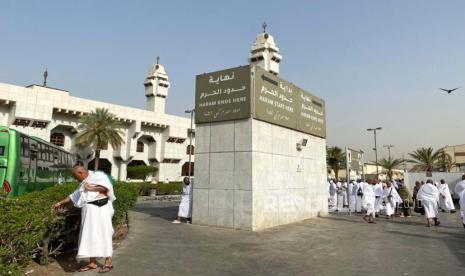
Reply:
x=223, y=95
x=282, y=103
x=233, y=94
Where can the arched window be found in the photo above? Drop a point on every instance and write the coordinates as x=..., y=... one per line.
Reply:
x=140, y=146
x=57, y=139
x=190, y=149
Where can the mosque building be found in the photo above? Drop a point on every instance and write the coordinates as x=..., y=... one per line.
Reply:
x=151, y=136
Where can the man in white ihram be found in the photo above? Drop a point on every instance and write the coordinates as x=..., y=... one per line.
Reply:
x=185, y=207
x=368, y=201
x=378, y=189
x=445, y=198
x=429, y=197
x=95, y=197
x=460, y=191
x=391, y=198
x=332, y=194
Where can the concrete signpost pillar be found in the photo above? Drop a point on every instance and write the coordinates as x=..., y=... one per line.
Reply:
x=260, y=151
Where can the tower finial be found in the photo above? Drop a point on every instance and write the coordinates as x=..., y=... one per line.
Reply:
x=264, y=26
x=45, y=77
x=158, y=59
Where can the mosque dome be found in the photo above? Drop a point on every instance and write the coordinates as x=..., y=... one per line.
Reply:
x=156, y=71
x=264, y=41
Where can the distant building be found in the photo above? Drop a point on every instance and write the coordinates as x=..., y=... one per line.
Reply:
x=151, y=136
x=369, y=170
x=457, y=153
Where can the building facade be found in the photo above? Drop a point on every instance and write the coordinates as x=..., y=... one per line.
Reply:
x=457, y=154
x=151, y=136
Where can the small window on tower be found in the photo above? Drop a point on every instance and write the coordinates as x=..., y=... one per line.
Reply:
x=140, y=146
x=57, y=139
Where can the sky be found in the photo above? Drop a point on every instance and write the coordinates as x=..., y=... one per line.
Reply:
x=375, y=63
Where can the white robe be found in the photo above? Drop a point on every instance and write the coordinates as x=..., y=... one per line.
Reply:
x=460, y=191
x=368, y=200
x=339, y=196
x=344, y=194
x=185, y=207
x=358, y=199
x=462, y=206
x=378, y=190
x=333, y=194
x=429, y=196
x=95, y=235
x=459, y=188
x=445, y=199
x=391, y=198
x=352, y=195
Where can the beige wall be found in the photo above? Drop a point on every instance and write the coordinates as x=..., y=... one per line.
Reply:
x=458, y=156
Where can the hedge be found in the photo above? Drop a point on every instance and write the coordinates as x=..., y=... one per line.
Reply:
x=171, y=188
x=30, y=229
x=141, y=171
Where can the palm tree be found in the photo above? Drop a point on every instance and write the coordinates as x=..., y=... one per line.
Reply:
x=389, y=165
x=98, y=129
x=335, y=158
x=425, y=159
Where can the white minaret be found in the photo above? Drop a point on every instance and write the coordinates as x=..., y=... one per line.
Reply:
x=156, y=88
x=265, y=53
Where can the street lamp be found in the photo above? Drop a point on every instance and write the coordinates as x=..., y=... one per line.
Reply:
x=389, y=149
x=191, y=111
x=376, y=149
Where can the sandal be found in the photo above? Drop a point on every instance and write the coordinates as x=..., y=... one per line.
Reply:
x=87, y=268
x=105, y=269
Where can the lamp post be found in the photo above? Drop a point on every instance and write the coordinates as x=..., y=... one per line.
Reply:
x=376, y=149
x=363, y=164
x=389, y=149
x=191, y=111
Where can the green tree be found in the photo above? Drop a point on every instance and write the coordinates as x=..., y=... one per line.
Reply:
x=424, y=159
x=444, y=162
x=389, y=165
x=98, y=129
x=335, y=159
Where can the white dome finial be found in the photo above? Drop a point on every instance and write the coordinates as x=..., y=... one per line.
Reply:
x=265, y=53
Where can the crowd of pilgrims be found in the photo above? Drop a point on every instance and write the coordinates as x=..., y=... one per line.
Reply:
x=393, y=198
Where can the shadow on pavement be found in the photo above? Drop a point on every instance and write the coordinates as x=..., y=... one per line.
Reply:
x=454, y=241
x=167, y=212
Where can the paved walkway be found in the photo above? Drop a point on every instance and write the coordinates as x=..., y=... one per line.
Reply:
x=335, y=245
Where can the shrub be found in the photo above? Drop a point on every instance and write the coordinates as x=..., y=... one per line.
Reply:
x=141, y=171
x=171, y=188
x=28, y=222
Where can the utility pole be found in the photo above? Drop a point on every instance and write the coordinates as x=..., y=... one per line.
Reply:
x=191, y=130
x=389, y=149
x=376, y=149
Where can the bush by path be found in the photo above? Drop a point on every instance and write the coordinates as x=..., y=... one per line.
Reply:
x=29, y=228
x=171, y=188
